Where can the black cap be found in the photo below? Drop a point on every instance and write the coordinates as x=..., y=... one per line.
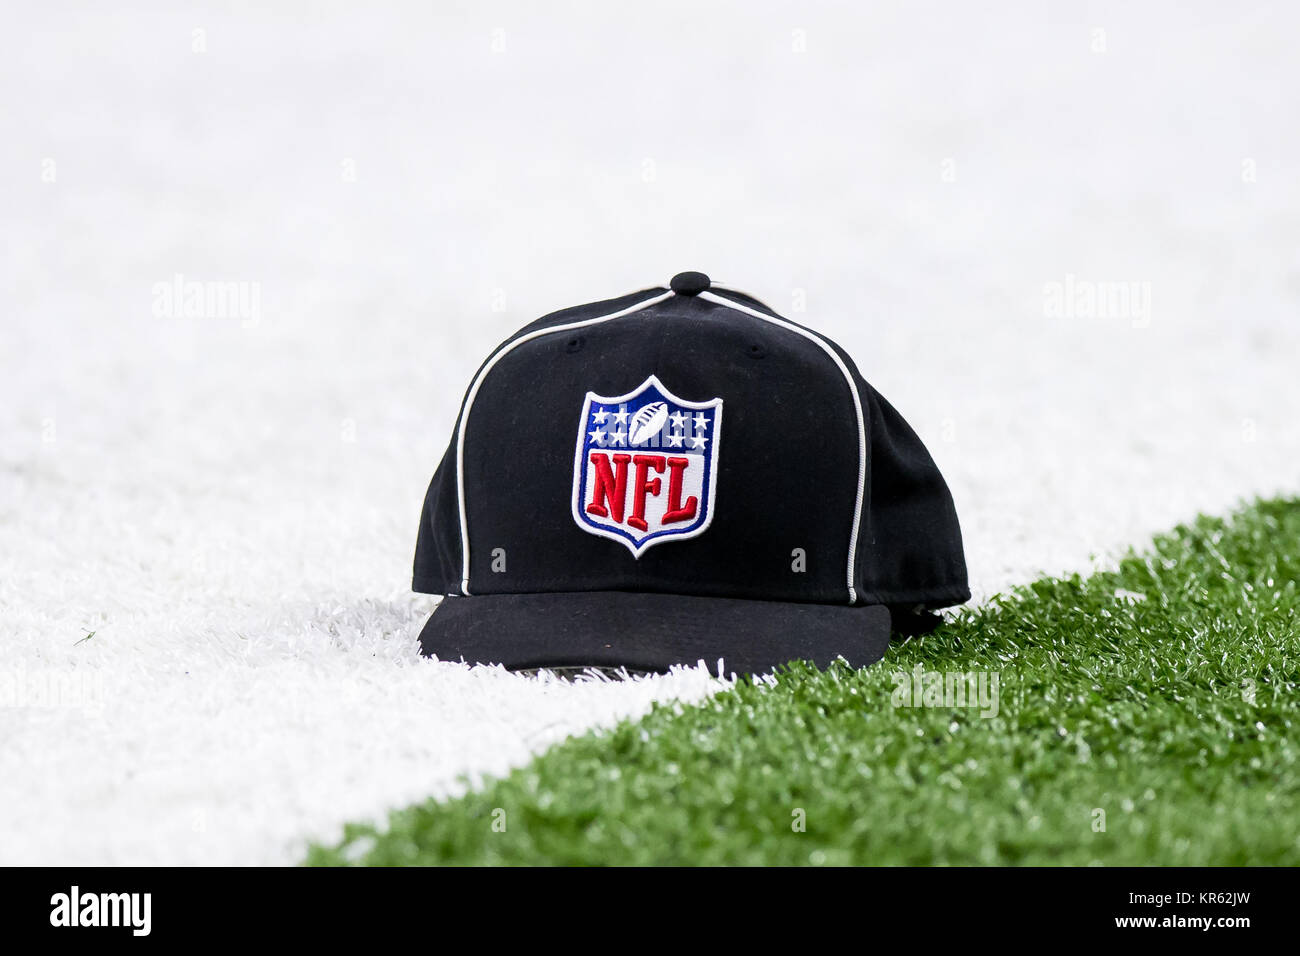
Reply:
x=673, y=476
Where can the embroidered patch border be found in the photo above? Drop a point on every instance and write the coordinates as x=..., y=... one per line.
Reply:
x=661, y=453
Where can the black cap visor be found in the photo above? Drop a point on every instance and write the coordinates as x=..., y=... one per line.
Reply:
x=650, y=632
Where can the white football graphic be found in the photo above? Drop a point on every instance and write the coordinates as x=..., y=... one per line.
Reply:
x=647, y=422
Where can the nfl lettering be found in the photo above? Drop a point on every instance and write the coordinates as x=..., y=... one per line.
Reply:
x=645, y=467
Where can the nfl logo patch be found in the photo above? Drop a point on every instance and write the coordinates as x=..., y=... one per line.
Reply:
x=645, y=467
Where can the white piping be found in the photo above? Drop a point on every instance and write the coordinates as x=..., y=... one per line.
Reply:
x=857, y=408
x=473, y=391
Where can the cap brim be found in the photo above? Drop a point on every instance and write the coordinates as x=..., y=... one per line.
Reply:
x=650, y=632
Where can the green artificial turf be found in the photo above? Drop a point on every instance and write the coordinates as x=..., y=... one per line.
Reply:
x=1164, y=694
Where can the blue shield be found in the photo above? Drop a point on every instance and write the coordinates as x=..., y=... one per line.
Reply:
x=646, y=466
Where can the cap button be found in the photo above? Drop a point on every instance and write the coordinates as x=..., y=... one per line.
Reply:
x=689, y=283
